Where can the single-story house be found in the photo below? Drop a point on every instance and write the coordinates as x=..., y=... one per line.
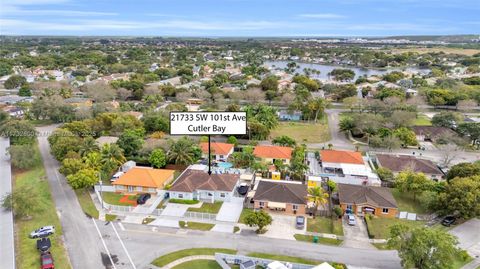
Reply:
x=399, y=163
x=143, y=179
x=220, y=151
x=14, y=111
x=362, y=200
x=199, y=185
x=102, y=140
x=348, y=167
x=431, y=133
x=289, y=197
x=270, y=154
x=285, y=115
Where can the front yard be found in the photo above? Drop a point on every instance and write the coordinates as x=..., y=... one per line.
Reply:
x=196, y=225
x=211, y=208
x=320, y=240
x=405, y=202
x=26, y=252
x=168, y=258
x=303, y=132
x=379, y=228
x=422, y=120
x=114, y=198
x=325, y=225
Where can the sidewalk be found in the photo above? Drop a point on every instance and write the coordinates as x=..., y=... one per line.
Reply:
x=187, y=259
x=7, y=249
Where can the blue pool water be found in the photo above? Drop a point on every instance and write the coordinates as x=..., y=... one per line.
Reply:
x=225, y=165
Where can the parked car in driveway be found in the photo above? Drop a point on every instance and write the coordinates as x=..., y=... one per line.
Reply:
x=42, y=232
x=46, y=261
x=43, y=244
x=351, y=220
x=448, y=220
x=142, y=199
x=300, y=222
x=243, y=189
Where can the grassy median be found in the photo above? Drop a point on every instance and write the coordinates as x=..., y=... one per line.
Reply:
x=168, y=258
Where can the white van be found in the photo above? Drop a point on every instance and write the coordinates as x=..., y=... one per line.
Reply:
x=116, y=176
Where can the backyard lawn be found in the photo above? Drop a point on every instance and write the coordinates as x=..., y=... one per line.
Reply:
x=196, y=225
x=26, y=252
x=211, y=208
x=170, y=257
x=405, y=202
x=303, y=132
x=204, y=264
x=114, y=198
x=321, y=240
x=379, y=228
x=422, y=120
x=325, y=225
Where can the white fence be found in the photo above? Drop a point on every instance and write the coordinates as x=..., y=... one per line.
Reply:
x=238, y=259
x=200, y=216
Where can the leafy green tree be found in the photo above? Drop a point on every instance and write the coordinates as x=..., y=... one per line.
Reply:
x=19, y=132
x=346, y=124
x=24, y=91
x=62, y=142
x=424, y=248
x=158, y=158
x=14, y=81
x=260, y=219
x=131, y=141
x=298, y=168
x=318, y=196
x=310, y=84
x=71, y=166
x=112, y=157
x=155, y=122
x=88, y=145
x=406, y=135
x=284, y=140
x=470, y=130
x=244, y=158
x=5, y=69
x=447, y=119
x=463, y=170
x=411, y=182
x=269, y=83
x=385, y=174
x=83, y=179
x=24, y=156
x=24, y=201
x=93, y=160
x=342, y=74
x=232, y=140
x=461, y=196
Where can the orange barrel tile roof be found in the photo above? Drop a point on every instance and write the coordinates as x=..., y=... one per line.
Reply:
x=145, y=177
x=217, y=148
x=340, y=156
x=274, y=152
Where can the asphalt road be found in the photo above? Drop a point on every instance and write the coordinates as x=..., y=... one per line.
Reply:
x=145, y=245
x=7, y=249
x=80, y=235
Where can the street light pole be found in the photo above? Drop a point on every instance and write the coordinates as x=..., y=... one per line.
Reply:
x=101, y=187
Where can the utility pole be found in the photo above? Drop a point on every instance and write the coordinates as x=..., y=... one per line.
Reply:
x=101, y=187
x=209, y=157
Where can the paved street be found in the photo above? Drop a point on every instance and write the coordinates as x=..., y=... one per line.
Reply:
x=469, y=239
x=145, y=245
x=81, y=237
x=7, y=253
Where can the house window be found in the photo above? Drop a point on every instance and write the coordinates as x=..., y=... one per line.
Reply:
x=222, y=195
x=139, y=188
x=284, y=160
x=295, y=207
x=261, y=204
x=180, y=195
x=385, y=210
x=221, y=156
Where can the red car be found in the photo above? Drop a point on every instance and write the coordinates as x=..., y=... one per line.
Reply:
x=46, y=261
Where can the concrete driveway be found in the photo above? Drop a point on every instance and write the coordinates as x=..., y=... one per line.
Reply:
x=356, y=236
x=282, y=227
x=468, y=235
x=175, y=210
x=231, y=210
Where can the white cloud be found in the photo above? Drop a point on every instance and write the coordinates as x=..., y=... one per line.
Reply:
x=322, y=16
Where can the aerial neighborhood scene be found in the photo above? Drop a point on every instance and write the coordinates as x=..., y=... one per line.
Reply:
x=240, y=134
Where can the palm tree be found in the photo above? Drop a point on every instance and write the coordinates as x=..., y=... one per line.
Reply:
x=112, y=153
x=93, y=160
x=181, y=152
x=89, y=145
x=318, y=196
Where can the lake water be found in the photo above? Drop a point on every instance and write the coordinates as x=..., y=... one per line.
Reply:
x=325, y=69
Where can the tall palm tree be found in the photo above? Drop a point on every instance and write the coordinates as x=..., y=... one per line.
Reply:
x=93, y=160
x=181, y=152
x=112, y=153
x=318, y=196
x=89, y=145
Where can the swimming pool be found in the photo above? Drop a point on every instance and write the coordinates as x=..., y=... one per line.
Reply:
x=225, y=165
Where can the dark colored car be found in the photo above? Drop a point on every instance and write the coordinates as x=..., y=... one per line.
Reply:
x=44, y=244
x=300, y=222
x=448, y=220
x=46, y=261
x=142, y=199
x=243, y=189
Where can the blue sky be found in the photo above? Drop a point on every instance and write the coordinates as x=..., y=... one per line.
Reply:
x=239, y=17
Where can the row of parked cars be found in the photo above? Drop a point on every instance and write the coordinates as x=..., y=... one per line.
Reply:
x=43, y=245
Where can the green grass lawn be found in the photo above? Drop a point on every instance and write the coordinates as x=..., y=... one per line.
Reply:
x=113, y=198
x=204, y=264
x=110, y=217
x=321, y=240
x=244, y=213
x=283, y=258
x=27, y=256
x=170, y=257
x=422, y=120
x=303, y=132
x=381, y=246
x=379, y=228
x=405, y=202
x=86, y=203
x=211, y=208
x=196, y=225
x=325, y=225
